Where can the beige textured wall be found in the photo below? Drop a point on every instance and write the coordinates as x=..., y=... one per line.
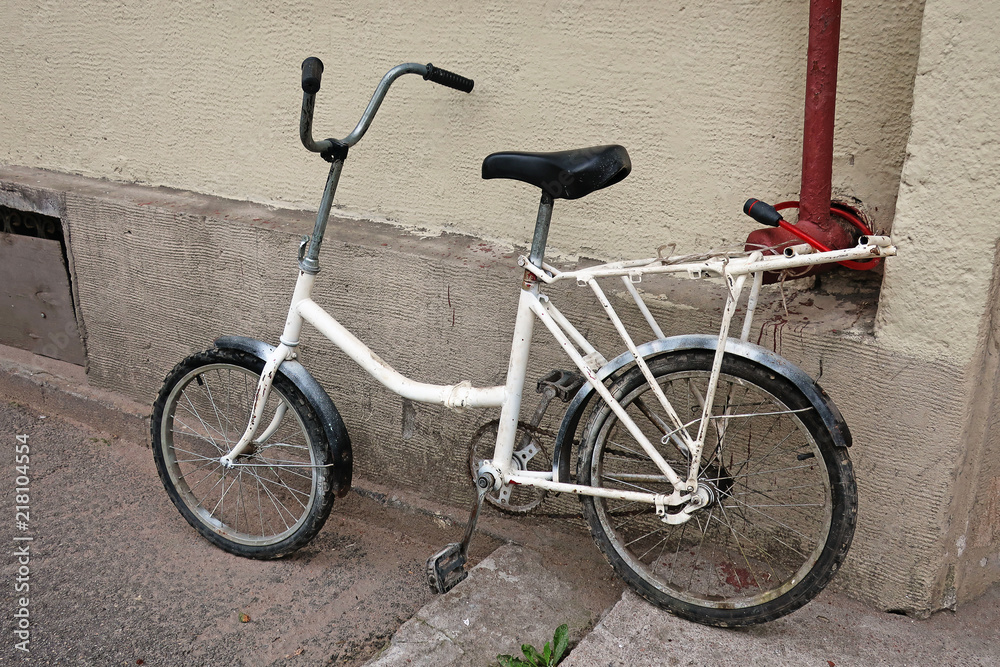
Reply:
x=972, y=542
x=706, y=96
x=935, y=293
x=940, y=299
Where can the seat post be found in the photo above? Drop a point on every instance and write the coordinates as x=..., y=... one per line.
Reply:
x=541, y=230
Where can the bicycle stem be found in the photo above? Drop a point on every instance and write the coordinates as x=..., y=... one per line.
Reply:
x=309, y=262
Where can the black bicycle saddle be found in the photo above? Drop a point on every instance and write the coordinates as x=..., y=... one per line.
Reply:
x=563, y=174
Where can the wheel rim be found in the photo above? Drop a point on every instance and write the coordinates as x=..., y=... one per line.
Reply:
x=772, y=505
x=268, y=494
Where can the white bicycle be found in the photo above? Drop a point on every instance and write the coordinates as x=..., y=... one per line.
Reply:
x=714, y=474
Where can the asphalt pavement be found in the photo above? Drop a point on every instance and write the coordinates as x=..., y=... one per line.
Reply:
x=117, y=577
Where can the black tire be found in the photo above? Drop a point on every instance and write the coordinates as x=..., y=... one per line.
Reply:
x=784, y=502
x=278, y=495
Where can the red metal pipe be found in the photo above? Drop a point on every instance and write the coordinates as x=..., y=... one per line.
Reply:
x=817, y=140
x=820, y=112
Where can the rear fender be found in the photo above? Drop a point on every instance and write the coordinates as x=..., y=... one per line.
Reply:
x=819, y=399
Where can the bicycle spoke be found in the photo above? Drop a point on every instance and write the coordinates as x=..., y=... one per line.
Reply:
x=194, y=413
x=285, y=469
x=760, y=551
x=191, y=431
x=220, y=506
x=260, y=510
x=769, y=472
x=642, y=537
x=239, y=499
x=703, y=531
x=201, y=467
x=281, y=484
x=739, y=546
x=635, y=452
x=776, y=521
x=278, y=505
x=644, y=511
x=661, y=542
x=283, y=445
x=201, y=457
x=222, y=429
x=207, y=476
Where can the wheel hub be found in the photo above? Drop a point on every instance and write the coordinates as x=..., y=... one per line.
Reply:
x=705, y=496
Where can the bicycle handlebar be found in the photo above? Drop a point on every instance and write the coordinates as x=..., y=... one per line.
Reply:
x=312, y=71
x=449, y=79
x=312, y=74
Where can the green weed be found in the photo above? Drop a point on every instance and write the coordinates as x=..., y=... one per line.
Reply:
x=550, y=656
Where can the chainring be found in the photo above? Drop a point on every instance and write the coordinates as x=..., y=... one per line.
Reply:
x=530, y=455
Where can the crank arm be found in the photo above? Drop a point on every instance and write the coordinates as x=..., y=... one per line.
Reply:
x=446, y=568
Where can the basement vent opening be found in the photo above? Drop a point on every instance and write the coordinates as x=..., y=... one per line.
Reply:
x=29, y=223
x=37, y=312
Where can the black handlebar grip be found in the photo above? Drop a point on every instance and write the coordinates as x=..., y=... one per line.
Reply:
x=312, y=73
x=763, y=213
x=450, y=79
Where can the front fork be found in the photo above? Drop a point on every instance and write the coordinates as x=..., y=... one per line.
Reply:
x=284, y=351
x=263, y=392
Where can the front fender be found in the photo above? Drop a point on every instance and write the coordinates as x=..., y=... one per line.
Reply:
x=337, y=438
x=819, y=399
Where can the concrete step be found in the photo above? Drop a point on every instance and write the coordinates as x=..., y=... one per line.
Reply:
x=511, y=598
x=832, y=631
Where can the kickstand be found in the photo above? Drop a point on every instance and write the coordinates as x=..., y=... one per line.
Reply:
x=446, y=568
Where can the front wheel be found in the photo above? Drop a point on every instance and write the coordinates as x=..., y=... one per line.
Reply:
x=782, y=506
x=278, y=494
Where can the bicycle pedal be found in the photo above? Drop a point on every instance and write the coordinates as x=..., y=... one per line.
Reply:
x=565, y=383
x=446, y=568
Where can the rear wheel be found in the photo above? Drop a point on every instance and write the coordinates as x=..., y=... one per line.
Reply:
x=277, y=495
x=782, y=506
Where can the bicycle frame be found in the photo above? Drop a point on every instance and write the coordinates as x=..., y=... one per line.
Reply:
x=533, y=304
